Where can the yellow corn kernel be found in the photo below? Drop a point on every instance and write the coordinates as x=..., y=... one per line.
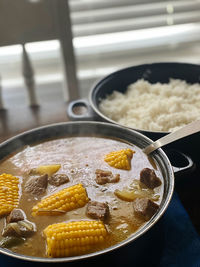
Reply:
x=74, y=238
x=120, y=159
x=61, y=201
x=9, y=193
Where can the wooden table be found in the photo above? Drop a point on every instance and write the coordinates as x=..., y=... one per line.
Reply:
x=16, y=120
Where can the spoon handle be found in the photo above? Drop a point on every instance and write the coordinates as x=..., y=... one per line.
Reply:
x=189, y=129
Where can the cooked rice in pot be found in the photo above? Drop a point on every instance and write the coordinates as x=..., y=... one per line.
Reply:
x=154, y=107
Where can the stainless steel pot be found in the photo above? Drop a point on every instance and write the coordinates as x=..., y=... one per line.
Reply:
x=119, y=81
x=90, y=129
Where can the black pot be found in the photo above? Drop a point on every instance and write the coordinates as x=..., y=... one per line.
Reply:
x=119, y=81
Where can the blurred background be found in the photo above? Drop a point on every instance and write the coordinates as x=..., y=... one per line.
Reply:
x=53, y=51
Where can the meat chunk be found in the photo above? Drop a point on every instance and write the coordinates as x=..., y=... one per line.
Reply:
x=15, y=216
x=145, y=207
x=21, y=228
x=10, y=241
x=58, y=179
x=103, y=177
x=149, y=178
x=11, y=229
x=26, y=228
x=97, y=210
x=37, y=185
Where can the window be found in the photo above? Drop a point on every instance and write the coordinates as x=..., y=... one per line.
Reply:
x=109, y=35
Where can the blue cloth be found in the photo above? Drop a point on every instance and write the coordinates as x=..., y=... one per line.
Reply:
x=173, y=241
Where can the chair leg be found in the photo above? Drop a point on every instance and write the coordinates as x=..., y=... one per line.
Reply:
x=63, y=23
x=1, y=98
x=29, y=80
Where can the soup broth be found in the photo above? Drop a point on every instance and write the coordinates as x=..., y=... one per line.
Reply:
x=79, y=158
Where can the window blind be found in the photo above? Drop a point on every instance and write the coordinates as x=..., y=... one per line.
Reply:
x=109, y=35
x=93, y=17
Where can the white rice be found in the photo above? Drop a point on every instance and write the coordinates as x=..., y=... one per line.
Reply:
x=154, y=107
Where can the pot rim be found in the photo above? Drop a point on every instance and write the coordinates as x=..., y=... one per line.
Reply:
x=134, y=236
x=98, y=82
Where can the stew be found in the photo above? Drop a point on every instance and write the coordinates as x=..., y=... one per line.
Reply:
x=111, y=195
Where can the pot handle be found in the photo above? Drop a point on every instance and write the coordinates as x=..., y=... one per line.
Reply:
x=181, y=163
x=80, y=109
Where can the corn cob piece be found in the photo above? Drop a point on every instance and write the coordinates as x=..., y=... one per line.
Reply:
x=120, y=159
x=74, y=238
x=9, y=193
x=64, y=200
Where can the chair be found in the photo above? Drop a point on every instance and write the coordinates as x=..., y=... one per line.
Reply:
x=24, y=21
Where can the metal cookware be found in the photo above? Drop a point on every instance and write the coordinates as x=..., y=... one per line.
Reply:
x=91, y=129
x=119, y=81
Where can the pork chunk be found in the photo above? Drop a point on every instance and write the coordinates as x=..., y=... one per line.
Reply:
x=15, y=216
x=103, y=177
x=97, y=210
x=58, y=179
x=37, y=185
x=149, y=178
x=145, y=208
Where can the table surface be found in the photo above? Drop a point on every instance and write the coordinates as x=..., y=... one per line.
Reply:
x=19, y=119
